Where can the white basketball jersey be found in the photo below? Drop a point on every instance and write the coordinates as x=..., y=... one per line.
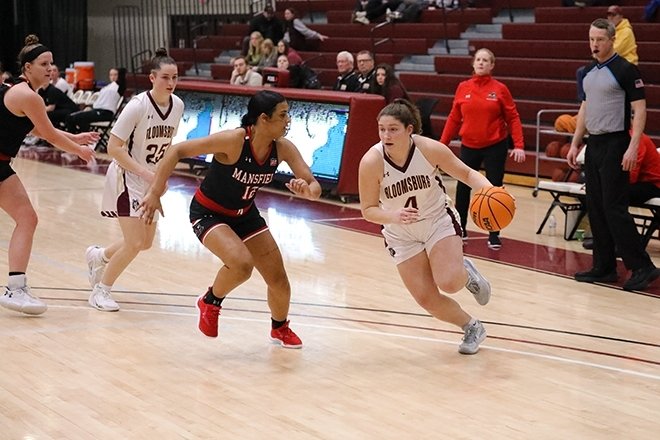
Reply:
x=147, y=128
x=417, y=183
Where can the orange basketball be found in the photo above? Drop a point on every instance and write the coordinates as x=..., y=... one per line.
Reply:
x=492, y=209
x=563, y=151
x=552, y=149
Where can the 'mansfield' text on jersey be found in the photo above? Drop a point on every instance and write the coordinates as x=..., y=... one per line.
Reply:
x=160, y=131
x=407, y=184
x=252, y=178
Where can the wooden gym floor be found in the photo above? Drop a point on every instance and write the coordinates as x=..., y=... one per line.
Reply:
x=563, y=360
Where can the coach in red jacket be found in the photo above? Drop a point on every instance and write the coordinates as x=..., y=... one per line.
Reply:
x=484, y=111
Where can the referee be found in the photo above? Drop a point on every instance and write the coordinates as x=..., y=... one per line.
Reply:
x=613, y=87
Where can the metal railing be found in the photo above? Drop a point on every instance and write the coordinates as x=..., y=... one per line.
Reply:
x=151, y=24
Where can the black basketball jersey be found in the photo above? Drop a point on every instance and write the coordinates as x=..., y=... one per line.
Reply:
x=234, y=187
x=13, y=129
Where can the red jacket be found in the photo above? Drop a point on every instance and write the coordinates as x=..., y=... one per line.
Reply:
x=647, y=168
x=484, y=111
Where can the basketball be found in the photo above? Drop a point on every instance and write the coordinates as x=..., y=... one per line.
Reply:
x=492, y=209
x=563, y=151
x=552, y=149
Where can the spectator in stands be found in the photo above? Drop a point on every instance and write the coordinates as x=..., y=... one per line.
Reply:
x=370, y=10
x=104, y=107
x=624, y=43
x=484, y=111
x=242, y=75
x=408, y=11
x=268, y=55
x=613, y=88
x=300, y=76
x=366, y=71
x=385, y=83
x=59, y=82
x=347, y=81
x=4, y=76
x=284, y=49
x=296, y=33
x=651, y=10
x=267, y=24
x=58, y=104
x=254, y=52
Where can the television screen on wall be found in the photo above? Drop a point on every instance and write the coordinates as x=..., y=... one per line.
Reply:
x=317, y=129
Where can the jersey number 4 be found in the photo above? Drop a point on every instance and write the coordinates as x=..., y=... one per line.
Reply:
x=412, y=201
x=156, y=152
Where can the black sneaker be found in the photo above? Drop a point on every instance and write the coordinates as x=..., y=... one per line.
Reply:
x=596, y=276
x=641, y=278
x=588, y=243
x=494, y=242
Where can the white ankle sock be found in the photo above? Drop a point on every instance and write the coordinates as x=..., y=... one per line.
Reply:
x=16, y=282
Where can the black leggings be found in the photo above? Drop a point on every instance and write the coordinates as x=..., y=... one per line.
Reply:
x=493, y=158
x=78, y=122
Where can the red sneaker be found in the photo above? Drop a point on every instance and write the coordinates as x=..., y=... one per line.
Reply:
x=285, y=337
x=208, y=317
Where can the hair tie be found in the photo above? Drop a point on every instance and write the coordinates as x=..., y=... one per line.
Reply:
x=34, y=53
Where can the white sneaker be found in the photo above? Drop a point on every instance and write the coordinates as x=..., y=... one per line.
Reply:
x=473, y=336
x=21, y=300
x=95, y=264
x=101, y=300
x=476, y=283
x=363, y=20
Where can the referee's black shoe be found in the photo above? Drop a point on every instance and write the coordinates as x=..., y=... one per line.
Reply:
x=641, y=278
x=596, y=275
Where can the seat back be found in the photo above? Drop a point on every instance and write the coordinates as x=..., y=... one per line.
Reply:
x=104, y=127
x=77, y=95
x=92, y=98
x=84, y=97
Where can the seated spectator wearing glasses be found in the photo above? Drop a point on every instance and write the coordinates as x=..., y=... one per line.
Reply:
x=366, y=71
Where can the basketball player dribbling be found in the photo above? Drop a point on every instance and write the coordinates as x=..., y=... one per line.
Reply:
x=224, y=216
x=401, y=188
x=138, y=140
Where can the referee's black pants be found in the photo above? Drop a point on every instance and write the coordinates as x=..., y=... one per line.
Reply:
x=608, y=199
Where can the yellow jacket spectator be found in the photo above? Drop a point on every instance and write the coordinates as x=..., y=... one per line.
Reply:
x=624, y=41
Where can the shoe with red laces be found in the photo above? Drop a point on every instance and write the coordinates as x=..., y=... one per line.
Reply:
x=208, y=317
x=285, y=337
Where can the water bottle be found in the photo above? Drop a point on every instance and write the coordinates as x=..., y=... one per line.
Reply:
x=552, y=225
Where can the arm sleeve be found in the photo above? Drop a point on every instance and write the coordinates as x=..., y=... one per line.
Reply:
x=512, y=118
x=304, y=30
x=454, y=119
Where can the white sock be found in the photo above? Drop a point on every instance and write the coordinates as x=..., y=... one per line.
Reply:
x=104, y=259
x=105, y=287
x=16, y=282
x=469, y=324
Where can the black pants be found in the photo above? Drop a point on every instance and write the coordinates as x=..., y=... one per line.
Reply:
x=493, y=158
x=78, y=122
x=640, y=192
x=608, y=199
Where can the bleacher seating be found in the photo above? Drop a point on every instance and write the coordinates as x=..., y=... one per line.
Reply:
x=537, y=61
